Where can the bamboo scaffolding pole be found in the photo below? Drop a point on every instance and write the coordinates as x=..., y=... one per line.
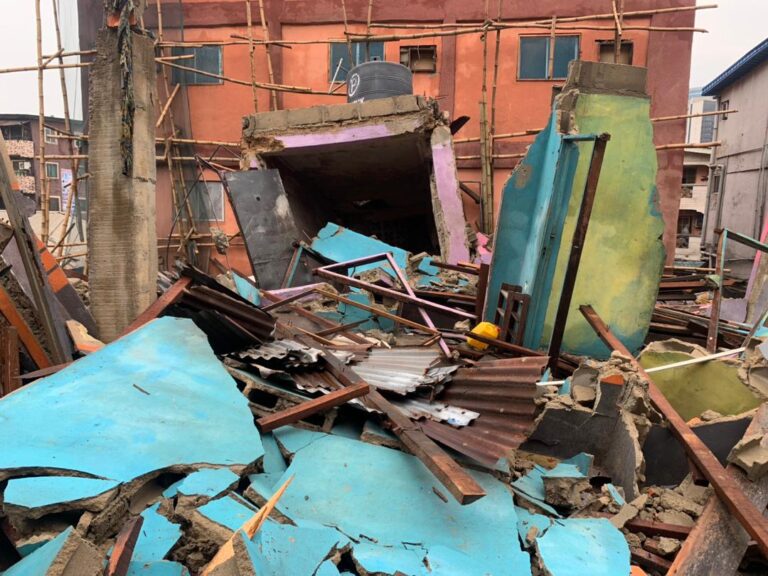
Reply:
x=347, y=34
x=486, y=189
x=273, y=87
x=44, y=189
x=695, y=115
x=496, y=156
x=509, y=135
x=174, y=58
x=603, y=16
x=75, y=164
x=494, y=89
x=41, y=68
x=689, y=145
x=618, y=16
x=251, y=49
x=270, y=69
x=167, y=106
x=552, y=40
x=65, y=54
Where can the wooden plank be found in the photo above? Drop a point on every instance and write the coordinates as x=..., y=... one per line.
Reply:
x=123, y=550
x=717, y=543
x=156, y=308
x=650, y=528
x=321, y=404
x=482, y=289
x=9, y=360
x=725, y=485
x=31, y=343
x=648, y=560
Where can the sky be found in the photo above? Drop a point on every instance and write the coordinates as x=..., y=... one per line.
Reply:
x=734, y=27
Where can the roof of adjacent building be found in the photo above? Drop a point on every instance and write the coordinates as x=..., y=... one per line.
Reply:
x=739, y=69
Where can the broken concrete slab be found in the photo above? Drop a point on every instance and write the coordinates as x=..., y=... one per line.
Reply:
x=405, y=508
x=564, y=486
x=206, y=483
x=136, y=398
x=39, y=495
x=162, y=568
x=66, y=555
x=157, y=536
x=751, y=455
x=583, y=547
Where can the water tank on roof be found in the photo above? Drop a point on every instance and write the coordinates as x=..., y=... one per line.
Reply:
x=378, y=79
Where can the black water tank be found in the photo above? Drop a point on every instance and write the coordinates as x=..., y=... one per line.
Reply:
x=378, y=79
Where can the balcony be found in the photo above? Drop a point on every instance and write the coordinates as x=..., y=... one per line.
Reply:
x=26, y=184
x=20, y=148
x=693, y=197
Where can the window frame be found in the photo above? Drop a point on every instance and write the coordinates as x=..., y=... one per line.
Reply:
x=193, y=201
x=187, y=78
x=48, y=131
x=723, y=105
x=58, y=203
x=58, y=172
x=612, y=43
x=547, y=78
x=408, y=51
x=332, y=67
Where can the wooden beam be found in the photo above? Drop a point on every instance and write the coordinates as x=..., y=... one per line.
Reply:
x=9, y=360
x=648, y=560
x=30, y=341
x=321, y=404
x=650, y=528
x=156, y=308
x=120, y=559
x=726, y=488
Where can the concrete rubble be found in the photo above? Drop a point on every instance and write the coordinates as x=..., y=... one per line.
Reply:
x=357, y=406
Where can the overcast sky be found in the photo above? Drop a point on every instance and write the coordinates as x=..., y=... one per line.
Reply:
x=734, y=27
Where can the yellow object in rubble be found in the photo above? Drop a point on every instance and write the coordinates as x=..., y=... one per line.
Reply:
x=485, y=329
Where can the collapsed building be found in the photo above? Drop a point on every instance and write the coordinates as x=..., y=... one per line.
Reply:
x=386, y=392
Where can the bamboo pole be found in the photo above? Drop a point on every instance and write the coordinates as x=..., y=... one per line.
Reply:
x=65, y=54
x=75, y=164
x=695, y=115
x=509, y=135
x=552, y=41
x=273, y=87
x=270, y=70
x=44, y=190
x=347, y=34
x=167, y=106
x=618, y=15
x=602, y=16
x=486, y=190
x=40, y=68
x=689, y=145
x=251, y=49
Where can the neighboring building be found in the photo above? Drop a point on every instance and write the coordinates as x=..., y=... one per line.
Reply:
x=22, y=138
x=739, y=181
x=693, y=198
x=448, y=68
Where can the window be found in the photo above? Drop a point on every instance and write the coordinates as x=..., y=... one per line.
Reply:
x=689, y=175
x=361, y=52
x=419, y=58
x=22, y=167
x=17, y=132
x=608, y=52
x=50, y=136
x=708, y=122
x=52, y=170
x=535, y=57
x=206, y=58
x=207, y=201
x=54, y=204
x=724, y=105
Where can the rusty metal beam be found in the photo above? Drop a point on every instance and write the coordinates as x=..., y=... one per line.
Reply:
x=31, y=343
x=577, y=246
x=321, y=404
x=120, y=559
x=727, y=489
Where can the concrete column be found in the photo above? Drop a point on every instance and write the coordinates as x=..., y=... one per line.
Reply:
x=122, y=240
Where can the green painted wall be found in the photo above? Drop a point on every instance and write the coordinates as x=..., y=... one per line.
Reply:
x=623, y=255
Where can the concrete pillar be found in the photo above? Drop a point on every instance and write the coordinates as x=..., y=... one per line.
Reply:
x=122, y=239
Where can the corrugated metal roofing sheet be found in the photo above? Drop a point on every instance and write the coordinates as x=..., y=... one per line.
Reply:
x=403, y=370
x=503, y=393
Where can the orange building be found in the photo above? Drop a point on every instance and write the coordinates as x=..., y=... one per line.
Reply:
x=446, y=66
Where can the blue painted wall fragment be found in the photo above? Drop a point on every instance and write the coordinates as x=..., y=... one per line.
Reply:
x=208, y=482
x=157, y=397
x=39, y=491
x=41, y=559
x=162, y=568
x=583, y=547
x=230, y=511
x=340, y=244
x=246, y=288
x=157, y=536
x=338, y=482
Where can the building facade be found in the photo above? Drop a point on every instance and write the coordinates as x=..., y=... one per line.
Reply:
x=739, y=178
x=693, y=197
x=22, y=138
x=446, y=66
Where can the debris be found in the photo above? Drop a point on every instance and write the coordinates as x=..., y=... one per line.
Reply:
x=751, y=455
